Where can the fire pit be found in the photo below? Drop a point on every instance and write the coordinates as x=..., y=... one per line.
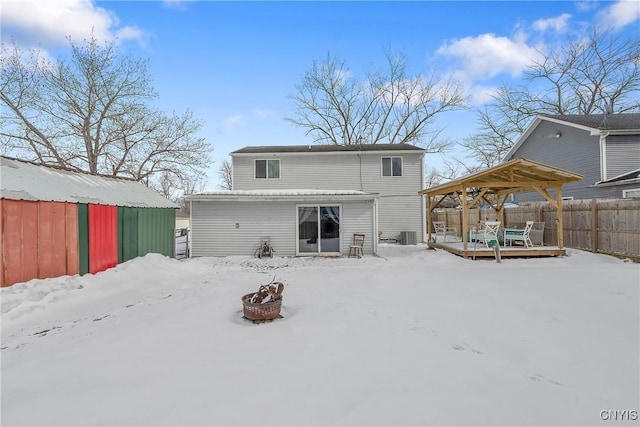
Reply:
x=264, y=304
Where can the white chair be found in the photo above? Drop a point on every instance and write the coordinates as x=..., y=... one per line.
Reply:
x=489, y=235
x=441, y=229
x=511, y=235
x=357, y=249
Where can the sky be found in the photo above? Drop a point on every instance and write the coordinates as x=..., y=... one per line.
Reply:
x=411, y=337
x=236, y=64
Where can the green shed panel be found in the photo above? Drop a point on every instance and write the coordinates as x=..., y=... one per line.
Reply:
x=83, y=238
x=127, y=233
x=156, y=231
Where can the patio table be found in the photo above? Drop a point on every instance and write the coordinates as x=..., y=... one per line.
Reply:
x=506, y=231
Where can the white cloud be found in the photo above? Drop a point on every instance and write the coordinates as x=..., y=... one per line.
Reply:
x=233, y=122
x=619, y=14
x=50, y=22
x=481, y=95
x=176, y=4
x=558, y=24
x=488, y=55
x=585, y=6
x=264, y=114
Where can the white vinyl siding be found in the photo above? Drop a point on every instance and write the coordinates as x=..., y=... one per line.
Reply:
x=401, y=207
x=623, y=154
x=225, y=228
x=400, y=213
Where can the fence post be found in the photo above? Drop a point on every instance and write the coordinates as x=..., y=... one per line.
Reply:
x=594, y=226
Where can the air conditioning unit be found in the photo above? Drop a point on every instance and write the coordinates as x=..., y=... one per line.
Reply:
x=407, y=237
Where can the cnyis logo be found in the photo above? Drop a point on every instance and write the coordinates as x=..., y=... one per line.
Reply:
x=618, y=415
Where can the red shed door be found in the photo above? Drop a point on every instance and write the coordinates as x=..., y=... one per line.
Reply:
x=103, y=237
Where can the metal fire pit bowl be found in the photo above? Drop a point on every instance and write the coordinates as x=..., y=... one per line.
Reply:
x=260, y=311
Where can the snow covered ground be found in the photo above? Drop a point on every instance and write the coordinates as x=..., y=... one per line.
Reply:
x=413, y=337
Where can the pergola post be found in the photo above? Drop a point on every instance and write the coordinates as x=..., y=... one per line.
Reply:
x=429, y=213
x=465, y=218
x=560, y=230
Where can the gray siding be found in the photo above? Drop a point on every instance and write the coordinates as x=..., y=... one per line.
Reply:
x=400, y=205
x=623, y=154
x=576, y=151
x=214, y=231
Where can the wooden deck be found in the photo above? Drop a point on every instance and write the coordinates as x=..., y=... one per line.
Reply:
x=481, y=251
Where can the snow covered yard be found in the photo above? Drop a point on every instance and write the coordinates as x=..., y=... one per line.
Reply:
x=414, y=337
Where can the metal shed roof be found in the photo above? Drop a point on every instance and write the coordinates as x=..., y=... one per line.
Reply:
x=20, y=180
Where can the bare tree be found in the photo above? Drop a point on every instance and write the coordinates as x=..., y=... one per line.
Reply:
x=225, y=173
x=90, y=113
x=173, y=187
x=598, y=75
x=388, y=107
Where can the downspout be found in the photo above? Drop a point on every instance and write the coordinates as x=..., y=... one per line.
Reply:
x=423, y=202
x=603, y=155
x=375, y=225
x=189, y=232
x=360, y=161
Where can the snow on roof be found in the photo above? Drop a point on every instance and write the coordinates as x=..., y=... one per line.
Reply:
x=289, y=194
x=27, y=181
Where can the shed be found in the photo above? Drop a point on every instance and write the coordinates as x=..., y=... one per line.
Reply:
x=58, y=222
x=293, y=222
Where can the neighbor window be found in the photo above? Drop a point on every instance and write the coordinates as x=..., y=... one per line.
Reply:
x=268, y=169
x=392, y=166
x=631, y=194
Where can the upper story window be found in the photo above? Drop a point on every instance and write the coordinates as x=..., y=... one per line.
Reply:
x=392, y=166
x=267, y=169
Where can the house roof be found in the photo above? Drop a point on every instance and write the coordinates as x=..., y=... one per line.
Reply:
x=626, y=178
x=328, y=148
x=629, y=121
x=595, y=124
x=23, y=180
x=275, y=195
x=515, y=176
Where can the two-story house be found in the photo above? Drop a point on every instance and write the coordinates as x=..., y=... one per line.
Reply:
x=604, y=149
x=311, y=199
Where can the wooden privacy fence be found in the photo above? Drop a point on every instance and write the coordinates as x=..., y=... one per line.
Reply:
x=607, y=226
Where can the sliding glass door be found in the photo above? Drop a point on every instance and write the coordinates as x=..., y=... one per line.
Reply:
x=318, y=229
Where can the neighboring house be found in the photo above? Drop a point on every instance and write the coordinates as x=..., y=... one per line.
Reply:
x=605, y=149
x=56, y=222
x=182, y=220
x=311, y=199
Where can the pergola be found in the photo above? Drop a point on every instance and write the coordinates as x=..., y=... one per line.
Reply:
x=493, y=186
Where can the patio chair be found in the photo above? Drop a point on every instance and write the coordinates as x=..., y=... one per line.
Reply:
x=511, y=235
x=357, y=249
x=441, y=229
x=537, y=234
x=489, y=235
